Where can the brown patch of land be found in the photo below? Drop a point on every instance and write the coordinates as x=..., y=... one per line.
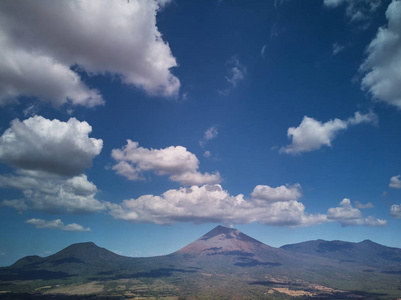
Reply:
x=92, y=287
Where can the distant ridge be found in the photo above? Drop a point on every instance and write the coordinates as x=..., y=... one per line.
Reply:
x=365, y=252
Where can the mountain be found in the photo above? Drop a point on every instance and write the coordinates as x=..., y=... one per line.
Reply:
x=223, y=263
x=81, y=253
x=366, y=252
x=76, y=259
x=223, y=240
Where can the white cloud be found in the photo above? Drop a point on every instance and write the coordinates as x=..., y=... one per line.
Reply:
x=356, y=10
x=281, y=193
x=236, y=73
x=383, y=64
x=363, y=206
x=395, y=211
x=52, y=146
x=347, y=215
x=52, y=194
x=312, y=134
x=395, y=182
x=41, y=41
x=177, y=162
x=210, y=134
x=210, y=203
x=263, y=52
x=337, y=48
x=17, y=204
x=55, y=224
x=207, y=153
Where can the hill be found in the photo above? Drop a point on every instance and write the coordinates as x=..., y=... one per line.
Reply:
x=366, y=252
x=223, y=263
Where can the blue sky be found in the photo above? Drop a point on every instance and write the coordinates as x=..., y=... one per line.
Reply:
x=141, y=125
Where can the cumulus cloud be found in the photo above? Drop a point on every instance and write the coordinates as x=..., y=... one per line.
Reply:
x=45, y=43
x=347, y=215
x=395, y=211
x=312, y=134
x=177, y=162
x=356, y=10
x=281, y=193
x=55, y=224
x=51, y=193
x=383, y=64
x=53, y=146
x=395, y=182
x=210, y=203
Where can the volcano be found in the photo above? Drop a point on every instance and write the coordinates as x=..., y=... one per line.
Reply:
x=223, y=263
x=223, y=240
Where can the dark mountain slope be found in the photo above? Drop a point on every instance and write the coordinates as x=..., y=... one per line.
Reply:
x=366, y=252
x=76, y=259
x=83, y=253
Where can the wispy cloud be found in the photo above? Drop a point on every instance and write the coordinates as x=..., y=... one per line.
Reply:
x=210, y=134
x=337, y=48
x=235, y=74
x=363, y=206
x=56, y=224
x=357, y=11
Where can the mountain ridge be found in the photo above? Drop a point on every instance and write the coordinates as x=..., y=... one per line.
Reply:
x=224, y=260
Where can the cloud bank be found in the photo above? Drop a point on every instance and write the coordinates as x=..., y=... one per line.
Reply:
x=44, y=45
x=175, y=161
x=311, y=134
x=210, y=203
